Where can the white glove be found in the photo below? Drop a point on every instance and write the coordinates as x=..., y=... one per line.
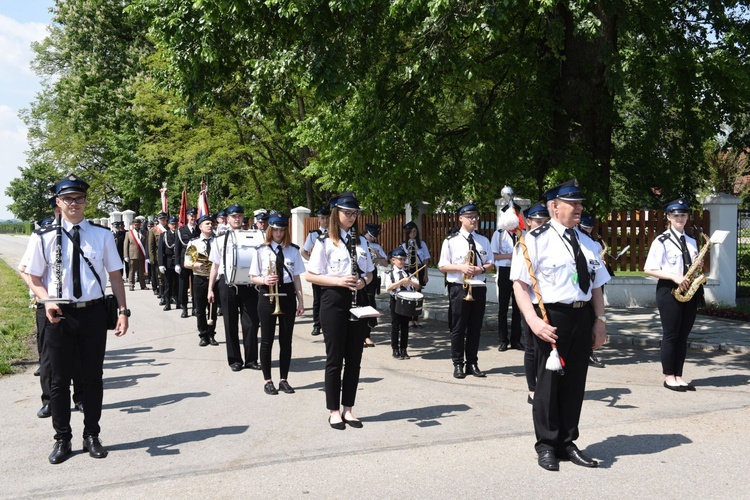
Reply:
x=177, y=269
x=127, y=259
x=148, y=262
x=162, y=269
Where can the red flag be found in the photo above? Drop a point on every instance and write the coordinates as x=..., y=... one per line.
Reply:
x=163, y=191
x=183, y=208
x=203, y=200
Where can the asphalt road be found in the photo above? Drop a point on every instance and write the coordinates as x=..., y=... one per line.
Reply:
x=179, y=424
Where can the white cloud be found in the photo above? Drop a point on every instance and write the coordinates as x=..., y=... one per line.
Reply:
x=15, y=39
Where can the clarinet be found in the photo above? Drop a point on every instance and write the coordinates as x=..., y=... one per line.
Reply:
x=355, y=267
x=58, y=255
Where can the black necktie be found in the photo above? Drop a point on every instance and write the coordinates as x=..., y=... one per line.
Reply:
x=473, y=248
x=686, y=260
x=208, y=246
x=280, y=264
x=582, y=269
x=76, y=263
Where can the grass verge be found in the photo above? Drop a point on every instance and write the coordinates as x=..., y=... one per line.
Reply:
x=17, y=325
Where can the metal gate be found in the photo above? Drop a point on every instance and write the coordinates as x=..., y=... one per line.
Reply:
x=743, y=253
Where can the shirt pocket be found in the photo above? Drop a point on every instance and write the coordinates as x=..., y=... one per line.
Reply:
x=556, y=270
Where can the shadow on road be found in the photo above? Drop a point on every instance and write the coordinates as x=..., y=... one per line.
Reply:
x=169, y=445
x=609, y=450
x=424, y=417
x=147, y=404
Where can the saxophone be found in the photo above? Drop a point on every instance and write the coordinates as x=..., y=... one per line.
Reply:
x=696, y=277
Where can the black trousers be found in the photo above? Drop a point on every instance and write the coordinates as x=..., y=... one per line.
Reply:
x=81, y=338
x=677, y=319
x=170, y=285
x=505, y=297
x=44, y=368
x=184, y=279
x=266, y=306
x=399, y=328
x=316, y=306
x=558, y=398
x=529, y=355
x=200, y=299
x=466, y=318
x=344, y=341
x=240, y=303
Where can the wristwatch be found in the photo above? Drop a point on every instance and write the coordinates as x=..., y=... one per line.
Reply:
x=602, y=318
x=125, y=312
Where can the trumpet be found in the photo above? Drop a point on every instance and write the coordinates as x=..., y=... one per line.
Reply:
x=273, y=292
x=468, y=277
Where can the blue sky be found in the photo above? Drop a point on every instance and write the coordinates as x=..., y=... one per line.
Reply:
x=21, y=23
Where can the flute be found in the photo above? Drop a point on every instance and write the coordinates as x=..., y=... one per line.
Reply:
x=58, y=254
x=355, y=267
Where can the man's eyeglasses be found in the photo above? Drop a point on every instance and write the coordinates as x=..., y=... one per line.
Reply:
x=80, y=200
x=471, y=217
x=350, y=213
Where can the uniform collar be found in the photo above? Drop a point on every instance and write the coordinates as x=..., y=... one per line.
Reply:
x=559, y=228
x=83, y=225
x=465, y=234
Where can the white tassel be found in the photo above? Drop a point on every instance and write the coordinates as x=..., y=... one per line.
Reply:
x=554, y=362
x=508, y=219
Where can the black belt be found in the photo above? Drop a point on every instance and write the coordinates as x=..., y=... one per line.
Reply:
x=461, y=284
x=573, y=305
x=81, y=305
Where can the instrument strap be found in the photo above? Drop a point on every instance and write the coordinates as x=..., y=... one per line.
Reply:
x=88, y=262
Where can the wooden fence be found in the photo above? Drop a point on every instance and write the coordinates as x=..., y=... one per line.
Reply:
x=636, y=228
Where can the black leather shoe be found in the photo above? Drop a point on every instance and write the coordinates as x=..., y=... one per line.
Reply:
x=577, y=457
x=339, y=426
x=184, y=314
x=517, y=346
x=93, y=445
x=595, y=362
x=270, y=389
x=529, y=399
x=676, y=388
x=162, y=302
x=404, y=354
x=253, y=366
x=203, y=342
x=548, y=461
x=397, y=354
x=167, y=307
x=689, y=387
x=503, y=347
x=285, y=387
x=213, y=341
x=193, y=312
x=357, y=424
x=236, y=367
x=79, y=406
x=219, y=313
x=474, y=370
x=60, y=452
x=458, y=370
x=44, y=412
x=36, y=372
x=316, y=331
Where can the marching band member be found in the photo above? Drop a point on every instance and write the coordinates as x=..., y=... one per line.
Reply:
x=536, y=215
x=569, y=276
x=76, y=332
x=372, y=231
x=276, y=268
x=397, y=280
x=221, y=223
x=201, y=268
x=342, y=267
x=413, y=244
x=157, y=278
x=669, y=258
x=323, y=214
x=261, y=219
x=502, y=250
x=466, y=255
x=237, y=302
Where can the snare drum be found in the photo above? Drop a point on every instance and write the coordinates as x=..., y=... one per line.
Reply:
x=409, y=303
x=239, y=252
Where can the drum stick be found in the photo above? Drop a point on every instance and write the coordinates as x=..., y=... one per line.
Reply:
x=415, y=272
x=210, y=321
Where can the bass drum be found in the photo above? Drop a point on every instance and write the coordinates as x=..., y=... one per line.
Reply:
x=239, y=249
x=409, y=304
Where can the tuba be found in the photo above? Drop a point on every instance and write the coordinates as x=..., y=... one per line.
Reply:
x=196, y=257
x=696, y=277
